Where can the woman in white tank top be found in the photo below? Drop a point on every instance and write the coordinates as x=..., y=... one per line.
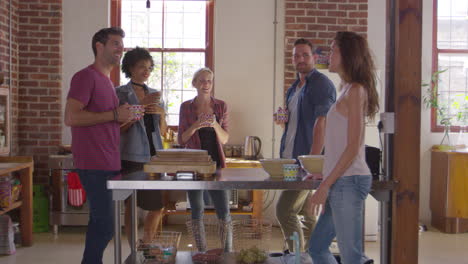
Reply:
x=346, y=177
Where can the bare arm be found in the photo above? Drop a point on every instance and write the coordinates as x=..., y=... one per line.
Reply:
x=76, y=116
x=187, y=134
x=318, y=136
x=162, y=125
x=222, y=134
x=222, y=128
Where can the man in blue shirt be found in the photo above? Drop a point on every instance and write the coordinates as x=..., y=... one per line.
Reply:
x=307, y=101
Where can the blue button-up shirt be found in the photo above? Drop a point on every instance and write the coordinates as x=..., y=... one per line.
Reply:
x=316, y=98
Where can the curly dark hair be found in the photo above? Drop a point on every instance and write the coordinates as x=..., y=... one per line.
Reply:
x=132, y=57
x=103, y=35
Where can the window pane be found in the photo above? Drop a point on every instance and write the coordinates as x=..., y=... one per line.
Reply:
x=177, y=81
x=154, y=80
x=452, y=23
x=172, y=119
x=174, y=99
x=459, y=105
x=185, y=24
x=142, y=26
x=455, y=78
x=454, y=106
x=453, y=87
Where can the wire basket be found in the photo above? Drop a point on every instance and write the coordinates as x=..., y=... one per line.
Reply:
x=215, y=233
x=161, y=250
x=253, y=233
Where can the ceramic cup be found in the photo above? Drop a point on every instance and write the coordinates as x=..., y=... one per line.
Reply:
x=206, y=119
x=282, y=115
x=290, y=172
x=138, y=111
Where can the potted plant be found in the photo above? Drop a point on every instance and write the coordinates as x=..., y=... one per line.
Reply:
x=430, y=100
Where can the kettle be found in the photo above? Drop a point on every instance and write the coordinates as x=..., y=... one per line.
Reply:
x=251, y=150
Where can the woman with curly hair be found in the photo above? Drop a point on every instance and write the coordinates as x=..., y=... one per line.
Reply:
x=141, y=138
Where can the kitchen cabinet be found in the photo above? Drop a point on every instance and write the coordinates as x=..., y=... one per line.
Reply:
x=24, y=166
x=449, y=190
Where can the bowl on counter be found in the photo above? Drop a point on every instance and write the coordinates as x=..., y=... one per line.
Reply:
x=311, y=163
x=274, y=167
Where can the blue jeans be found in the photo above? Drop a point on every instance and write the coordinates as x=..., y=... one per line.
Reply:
x=343, y=218
x=220, y=200
x=101, y=209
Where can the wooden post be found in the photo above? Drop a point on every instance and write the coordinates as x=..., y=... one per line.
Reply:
x=403, y=97
x=26, y=220
x=257, y=199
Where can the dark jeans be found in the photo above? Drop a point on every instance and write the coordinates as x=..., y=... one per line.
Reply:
x=101, y=208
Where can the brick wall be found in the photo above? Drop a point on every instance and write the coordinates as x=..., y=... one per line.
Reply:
x=318, y=21
x=40, y=74
x=11, y=84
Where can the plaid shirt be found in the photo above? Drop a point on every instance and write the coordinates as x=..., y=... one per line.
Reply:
x=188, y=116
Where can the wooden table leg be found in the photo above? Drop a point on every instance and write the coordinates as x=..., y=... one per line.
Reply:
x=26, y=219
x=257, y=204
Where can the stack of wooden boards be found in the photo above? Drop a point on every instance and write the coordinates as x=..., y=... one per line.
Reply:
x=176, y=160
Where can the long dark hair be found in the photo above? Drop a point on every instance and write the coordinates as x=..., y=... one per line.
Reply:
x=358, y=66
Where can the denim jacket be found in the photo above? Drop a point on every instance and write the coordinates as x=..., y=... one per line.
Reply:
x=315, y=100
x=134, y=143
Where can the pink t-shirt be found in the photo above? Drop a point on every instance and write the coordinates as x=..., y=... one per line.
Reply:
x=95, y=147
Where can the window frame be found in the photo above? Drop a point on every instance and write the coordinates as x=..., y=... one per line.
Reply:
x=116, y=21
x=435, y=65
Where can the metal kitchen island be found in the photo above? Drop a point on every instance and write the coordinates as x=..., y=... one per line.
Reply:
x=225, y=179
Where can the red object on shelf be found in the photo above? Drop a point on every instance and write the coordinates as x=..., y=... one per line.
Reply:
x=76, y=193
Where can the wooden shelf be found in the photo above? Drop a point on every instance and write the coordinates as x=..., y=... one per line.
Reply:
x=24, y=166
x=12, y=207
x=170, y=210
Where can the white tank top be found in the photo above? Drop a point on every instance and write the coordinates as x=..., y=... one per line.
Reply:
x=336, y=139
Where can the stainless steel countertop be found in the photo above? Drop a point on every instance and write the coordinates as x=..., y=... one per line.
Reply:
x=225, y=179
x=228, y=178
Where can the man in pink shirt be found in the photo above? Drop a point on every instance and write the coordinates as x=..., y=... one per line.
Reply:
x=94, y=115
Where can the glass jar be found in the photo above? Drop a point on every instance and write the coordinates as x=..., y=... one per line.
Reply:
x=236, y=151
x=227, y=150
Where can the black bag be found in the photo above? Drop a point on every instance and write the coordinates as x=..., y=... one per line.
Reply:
x=373, y=158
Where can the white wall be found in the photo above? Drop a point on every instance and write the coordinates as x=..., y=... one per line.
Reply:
x=428, y=139
x=244, y=39
x=81, y=19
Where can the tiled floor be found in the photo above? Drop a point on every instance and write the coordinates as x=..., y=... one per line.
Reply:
x=67, y=247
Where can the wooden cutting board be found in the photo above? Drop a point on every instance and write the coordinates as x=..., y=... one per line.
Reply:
x=182, y=159
x=174, y=160
x=173, y=153
x=175, y=166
